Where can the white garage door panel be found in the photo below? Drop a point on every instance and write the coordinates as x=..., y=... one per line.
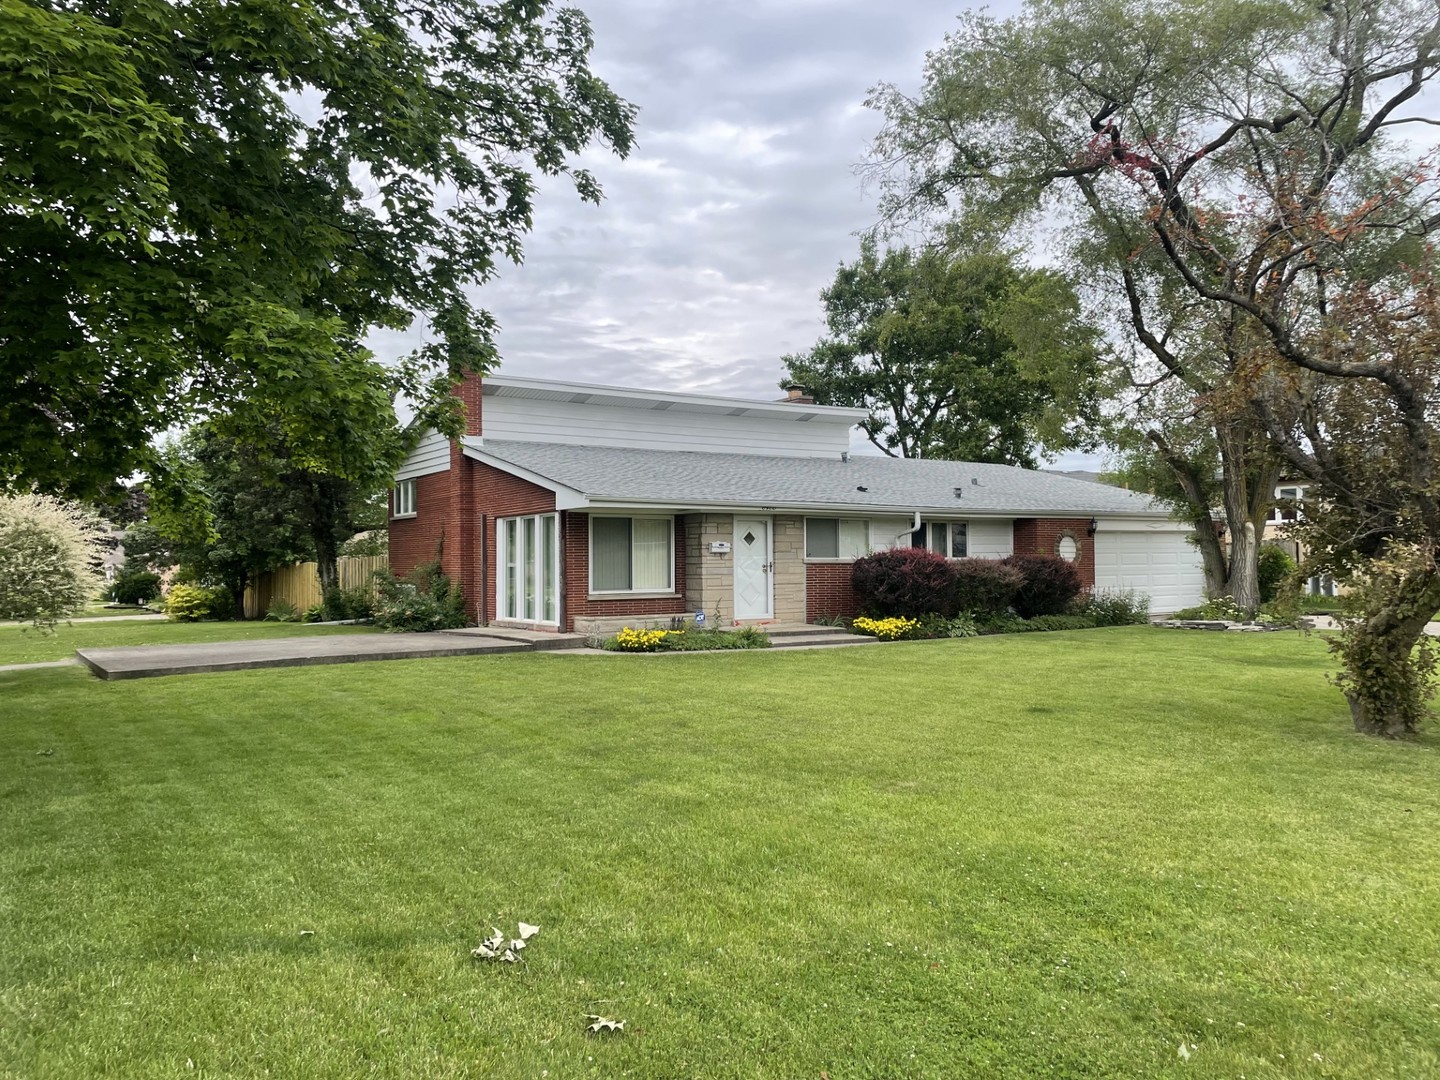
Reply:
x=1162, y=564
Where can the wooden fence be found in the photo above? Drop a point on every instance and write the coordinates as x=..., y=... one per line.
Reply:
x=300, y=584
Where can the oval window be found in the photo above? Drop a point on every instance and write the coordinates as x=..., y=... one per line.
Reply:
x=1067, y=549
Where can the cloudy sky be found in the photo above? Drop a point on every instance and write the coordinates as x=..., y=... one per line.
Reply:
x=704, y=263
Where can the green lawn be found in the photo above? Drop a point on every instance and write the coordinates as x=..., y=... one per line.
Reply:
x=1048, y=855
x=24, y=645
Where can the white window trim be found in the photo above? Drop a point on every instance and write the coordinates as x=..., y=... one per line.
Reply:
x=840, y=559
x=639, y=594
x=552, y=572
x=407, y=486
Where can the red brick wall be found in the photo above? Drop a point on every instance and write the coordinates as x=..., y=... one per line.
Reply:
x=828, y=591
x=1040, y=536
x=418, y=539
x=497, y=495
x=575, y=533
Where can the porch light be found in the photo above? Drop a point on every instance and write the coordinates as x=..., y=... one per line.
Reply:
x=1090, y=529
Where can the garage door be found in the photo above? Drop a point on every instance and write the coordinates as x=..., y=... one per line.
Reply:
x=1161, y=563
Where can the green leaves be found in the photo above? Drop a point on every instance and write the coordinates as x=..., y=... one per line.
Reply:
x=964, y=356
x=205, y=208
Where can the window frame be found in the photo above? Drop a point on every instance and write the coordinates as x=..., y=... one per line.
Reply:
x=548, y=574
x=927, y=525
x=839, y=523
x=404, y=493
x=666, y=590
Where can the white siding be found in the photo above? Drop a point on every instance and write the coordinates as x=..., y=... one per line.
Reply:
x=886, y=533
x=596, y=423
x=991, y=538
x=431, y=455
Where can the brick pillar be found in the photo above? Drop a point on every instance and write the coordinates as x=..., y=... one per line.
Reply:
x=462, y=522
x=468, y=390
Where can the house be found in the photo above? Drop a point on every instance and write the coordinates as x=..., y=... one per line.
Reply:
x=568, y=506
x=1289, y=498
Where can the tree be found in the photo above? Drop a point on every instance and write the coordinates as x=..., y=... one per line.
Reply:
x=972, y=358
x=49, y=558
x=1244, y=159
x=224, y=515
x=1218, y=476
x=231, y=509
x=205, y=204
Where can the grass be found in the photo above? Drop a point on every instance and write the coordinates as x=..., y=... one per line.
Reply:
x=1048, y=855
x=23, y=645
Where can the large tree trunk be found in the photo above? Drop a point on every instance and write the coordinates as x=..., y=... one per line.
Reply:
x=1247, y=479
x=1387, y=679
x=324, y=514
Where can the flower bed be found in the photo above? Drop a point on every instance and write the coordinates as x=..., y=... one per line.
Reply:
x=651, y=641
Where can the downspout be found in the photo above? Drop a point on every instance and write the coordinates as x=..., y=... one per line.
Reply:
x=910, y=532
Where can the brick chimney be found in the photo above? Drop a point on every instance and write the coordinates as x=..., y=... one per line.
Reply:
x=468, y=391
x=795, y=395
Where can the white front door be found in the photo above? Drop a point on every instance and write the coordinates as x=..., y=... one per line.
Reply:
x=753, y=569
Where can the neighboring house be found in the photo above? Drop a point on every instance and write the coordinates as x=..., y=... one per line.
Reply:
x=577, y=507
x=1290, y=495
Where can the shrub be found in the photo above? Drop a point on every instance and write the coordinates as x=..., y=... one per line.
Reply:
x=631, y=640
x=1062, y=622
x=192, y=603
x=281, y=610
x=695, y=640
x=1114, y=607
x=1049, y=586
x=134, y=587
x=889, y=629
x=938, y=626
x=906, y=582
x=424, y=600
x=1275, y=566
x=366, y=545
x=342, y=604
x=984, y=586
x=49, y=551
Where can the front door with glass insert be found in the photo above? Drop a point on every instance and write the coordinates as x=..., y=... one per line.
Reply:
x=528, y=585
x=754, y=569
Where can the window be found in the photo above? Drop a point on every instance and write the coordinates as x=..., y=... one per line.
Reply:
x=948, y=538
x=1287, y=513
x=403, y=499
x=836, y=538
x=1067, y=548
x=528, y=588
x=631, y=554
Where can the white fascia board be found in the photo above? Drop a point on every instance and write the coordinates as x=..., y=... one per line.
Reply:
x=708, y=402
x=566, y=498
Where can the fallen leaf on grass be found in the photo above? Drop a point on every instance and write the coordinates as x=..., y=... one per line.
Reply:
x=495, y=947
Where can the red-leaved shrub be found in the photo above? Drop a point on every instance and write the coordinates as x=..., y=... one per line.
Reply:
x=985, y=586
x=905, y=581
x=1049, y=584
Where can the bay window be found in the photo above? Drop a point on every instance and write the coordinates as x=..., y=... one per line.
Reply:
x=632, y=554
x=528, y=588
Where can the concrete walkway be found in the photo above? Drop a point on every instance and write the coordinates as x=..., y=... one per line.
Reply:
x=145, y=661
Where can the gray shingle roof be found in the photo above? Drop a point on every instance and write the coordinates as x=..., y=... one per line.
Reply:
x=685, y=479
